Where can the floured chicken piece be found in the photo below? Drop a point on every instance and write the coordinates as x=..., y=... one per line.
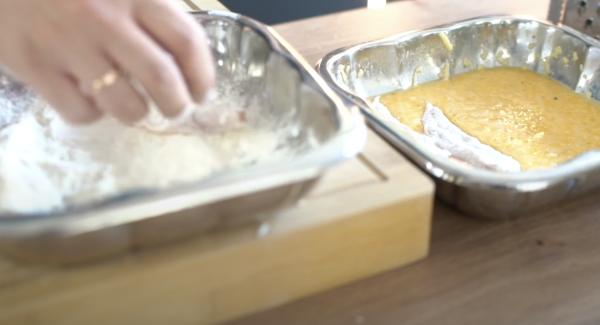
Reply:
x=462, y=146
x=445, y=139
x=218, y=116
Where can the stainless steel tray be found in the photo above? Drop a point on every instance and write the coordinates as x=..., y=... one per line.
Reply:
x=260, y=66
x=403, y=61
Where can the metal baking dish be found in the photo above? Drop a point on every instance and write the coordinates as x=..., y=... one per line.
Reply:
x=260, y=66
x=403, y=61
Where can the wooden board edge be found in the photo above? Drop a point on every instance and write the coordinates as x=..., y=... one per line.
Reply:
x=210, y=288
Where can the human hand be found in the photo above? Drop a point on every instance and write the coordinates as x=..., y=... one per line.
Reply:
x=80, y=54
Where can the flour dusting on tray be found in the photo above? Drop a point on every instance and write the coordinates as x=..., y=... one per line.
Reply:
x=46, y=164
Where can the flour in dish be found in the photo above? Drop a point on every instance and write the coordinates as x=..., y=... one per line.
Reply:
x=46, y=164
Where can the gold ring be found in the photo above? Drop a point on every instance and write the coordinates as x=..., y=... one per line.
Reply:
x=106, y=80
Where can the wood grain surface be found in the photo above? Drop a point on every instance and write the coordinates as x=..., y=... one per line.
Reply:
x=540, y=269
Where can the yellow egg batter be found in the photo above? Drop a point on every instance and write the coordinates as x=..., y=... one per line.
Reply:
x=534, y=119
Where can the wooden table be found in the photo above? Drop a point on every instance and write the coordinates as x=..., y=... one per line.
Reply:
x=540, y=269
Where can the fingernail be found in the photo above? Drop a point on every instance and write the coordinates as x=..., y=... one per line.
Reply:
x=153, y=121
x=210, y=95
x=186, y=113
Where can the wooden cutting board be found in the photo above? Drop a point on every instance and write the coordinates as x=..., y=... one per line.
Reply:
x=366, y=216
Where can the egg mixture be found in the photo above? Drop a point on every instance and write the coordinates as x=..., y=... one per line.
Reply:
x=534, y=119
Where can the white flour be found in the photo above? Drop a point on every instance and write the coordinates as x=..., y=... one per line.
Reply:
x=448, y=140
x=462, y=146
x=46, y=164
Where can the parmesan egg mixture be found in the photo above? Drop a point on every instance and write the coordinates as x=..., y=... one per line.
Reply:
x=502, y=119
x=46, y=164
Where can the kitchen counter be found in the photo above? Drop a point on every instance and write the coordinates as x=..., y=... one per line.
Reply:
x=539, y=269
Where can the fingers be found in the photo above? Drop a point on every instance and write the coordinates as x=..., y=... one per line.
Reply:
x=154, y=68
x=160, y=47
x=180, y=35
x=118, y=98
x=63, y=93
x=122, y=101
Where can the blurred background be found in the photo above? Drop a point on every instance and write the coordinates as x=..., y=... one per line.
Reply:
x=279, y=11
